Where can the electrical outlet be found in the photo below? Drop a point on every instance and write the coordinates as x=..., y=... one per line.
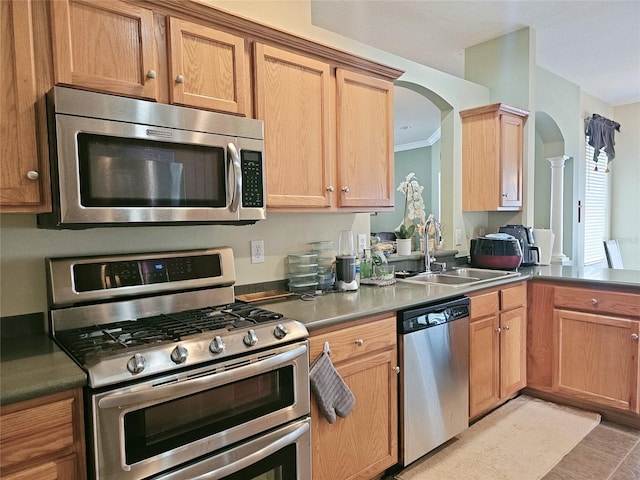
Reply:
x=257, y=251
x=458, y=236
x=362, y=242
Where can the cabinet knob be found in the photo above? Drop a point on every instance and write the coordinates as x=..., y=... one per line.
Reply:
x=506, y=327
x=594, y=301
x=345, y=189
x=634, y=336
x=498, y=329
x=151, y=74
x=179, y=79
x=396, y=369
x=33, y=175
x=330, y=188
x=359, y=342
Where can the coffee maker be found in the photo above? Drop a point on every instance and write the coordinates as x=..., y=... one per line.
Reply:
x=530, y=253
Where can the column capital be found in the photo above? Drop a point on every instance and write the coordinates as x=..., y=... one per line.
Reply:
x=558, y=161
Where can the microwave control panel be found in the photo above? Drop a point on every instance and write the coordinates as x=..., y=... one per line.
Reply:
x=252, y=179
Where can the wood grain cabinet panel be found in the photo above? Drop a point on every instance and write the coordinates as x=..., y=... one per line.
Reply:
x=497, y=347
x=43, y=438
x=23, y=172
x=365, y=443
x=295, y=96
x=492, y=152
x=207, y=68
x=104, y=46
x=596, y=358
x=364, y=141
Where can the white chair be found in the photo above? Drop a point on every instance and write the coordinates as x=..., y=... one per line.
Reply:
x=612, y=251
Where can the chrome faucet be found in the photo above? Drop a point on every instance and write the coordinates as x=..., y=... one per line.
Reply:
x=431, y=231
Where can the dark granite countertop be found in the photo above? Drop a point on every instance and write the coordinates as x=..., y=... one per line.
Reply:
x=33, y=366
x=335, y=308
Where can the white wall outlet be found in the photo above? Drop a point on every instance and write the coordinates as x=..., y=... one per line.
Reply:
x=362, y=242
x=257, y=251
x=458, y=239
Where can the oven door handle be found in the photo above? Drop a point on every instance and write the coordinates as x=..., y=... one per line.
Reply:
x=187, y=387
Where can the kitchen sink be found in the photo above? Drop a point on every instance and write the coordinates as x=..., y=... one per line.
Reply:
x=460, y=276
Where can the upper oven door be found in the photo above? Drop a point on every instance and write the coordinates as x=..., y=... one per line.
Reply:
x=148, y=428
x=112, y=172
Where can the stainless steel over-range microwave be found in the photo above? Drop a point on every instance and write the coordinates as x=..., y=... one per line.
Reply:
x=119, y=161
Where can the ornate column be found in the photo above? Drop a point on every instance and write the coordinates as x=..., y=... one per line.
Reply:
x=557, y=211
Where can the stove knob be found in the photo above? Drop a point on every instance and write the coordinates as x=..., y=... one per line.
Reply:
x=217, y=345
x=280, y=331
x=136, y=363
x=179, y=354
x=250, y=338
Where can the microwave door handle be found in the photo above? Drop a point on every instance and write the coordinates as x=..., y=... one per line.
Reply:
x=236, y=168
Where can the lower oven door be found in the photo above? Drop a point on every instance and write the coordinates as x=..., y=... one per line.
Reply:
x=151, y=427
x=282, y=454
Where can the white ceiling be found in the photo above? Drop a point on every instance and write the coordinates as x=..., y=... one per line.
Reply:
x=594, y=44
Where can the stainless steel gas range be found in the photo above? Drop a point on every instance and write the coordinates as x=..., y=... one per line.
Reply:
x=183, y=382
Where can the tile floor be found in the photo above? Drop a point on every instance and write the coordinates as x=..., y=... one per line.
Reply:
x=608, y=452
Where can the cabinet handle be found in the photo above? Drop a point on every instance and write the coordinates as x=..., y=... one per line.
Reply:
x=33, y=175
x=345, y=189
x=330, y=188
x=151, y=74
x=396, y=369
x=498, y=329
x=506, y=327
x=634, y=336
x=359, y=342
x=594, y=301
x=179, y=79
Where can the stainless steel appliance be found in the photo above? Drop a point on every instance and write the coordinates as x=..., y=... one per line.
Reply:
x=496, y=250
x=530, y=252
x=434, y=381
x=123, y=161
x=182, y=379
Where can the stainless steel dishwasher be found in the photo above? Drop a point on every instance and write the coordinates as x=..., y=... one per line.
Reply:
x=434, y=384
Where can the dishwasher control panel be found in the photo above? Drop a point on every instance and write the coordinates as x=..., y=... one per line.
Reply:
x=430, y=315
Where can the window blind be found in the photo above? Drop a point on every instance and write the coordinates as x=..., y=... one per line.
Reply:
x=595, y=207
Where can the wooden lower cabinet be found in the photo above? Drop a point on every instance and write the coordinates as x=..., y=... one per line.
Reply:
x=365, y=443
x=43, y=438
x=497, y=347
x=596, y=358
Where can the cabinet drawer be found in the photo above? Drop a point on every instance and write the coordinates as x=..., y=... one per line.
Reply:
x=597, y=301
x=513, y=297
x=36, y=431
x=484, y=304
x=357, y=340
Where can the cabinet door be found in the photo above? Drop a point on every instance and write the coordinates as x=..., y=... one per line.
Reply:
x=20, y=187
x=104, y=46
x=513, y=354
x=64, y=469
x=207, y=68
x=596, y=358
x=364, y=141
x=294, y=96
x=365, y=443
x=484, y=364
x=511, y=132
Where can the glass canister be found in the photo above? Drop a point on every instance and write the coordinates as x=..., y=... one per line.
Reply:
x=366, y=264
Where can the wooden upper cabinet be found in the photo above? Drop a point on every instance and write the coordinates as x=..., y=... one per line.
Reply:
x=294, y=96
x=207, y=68
x=22, y=178
x=364, y=141
x=492, y=153
x=104, y=46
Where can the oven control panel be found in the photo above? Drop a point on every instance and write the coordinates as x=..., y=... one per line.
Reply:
x=116, y=274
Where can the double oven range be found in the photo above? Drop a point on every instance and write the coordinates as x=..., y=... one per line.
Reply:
x=183, y=382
